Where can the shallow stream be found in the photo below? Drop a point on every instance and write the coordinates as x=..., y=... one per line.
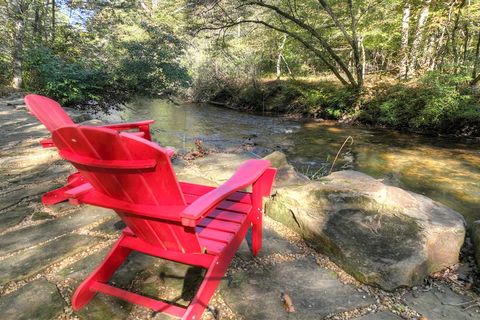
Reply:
x=444, y=169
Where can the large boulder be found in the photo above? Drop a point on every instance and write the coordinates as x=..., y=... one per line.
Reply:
x=382, y=235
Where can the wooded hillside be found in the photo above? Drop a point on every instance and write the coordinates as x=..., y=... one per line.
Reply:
x=407, y=64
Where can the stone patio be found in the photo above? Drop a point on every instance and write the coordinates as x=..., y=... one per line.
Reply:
x=45, y=252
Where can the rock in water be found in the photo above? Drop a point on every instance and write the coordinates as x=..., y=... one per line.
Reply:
x=383, y=235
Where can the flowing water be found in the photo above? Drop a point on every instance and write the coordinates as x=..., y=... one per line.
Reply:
x=444, y=169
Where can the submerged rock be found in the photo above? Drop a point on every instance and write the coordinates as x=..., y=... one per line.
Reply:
x=383, y=235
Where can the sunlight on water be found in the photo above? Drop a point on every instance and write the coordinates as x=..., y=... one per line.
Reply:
x=444, y=169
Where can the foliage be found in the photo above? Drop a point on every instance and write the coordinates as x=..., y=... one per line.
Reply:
x=68, y=82
x=433, y=104
x=256, y=55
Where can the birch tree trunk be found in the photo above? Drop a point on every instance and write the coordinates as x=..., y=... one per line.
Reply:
x=18, y=10
x=418, y=36
x=403, y=71
x=476, y=63
x=53, y=20
x=279, y=56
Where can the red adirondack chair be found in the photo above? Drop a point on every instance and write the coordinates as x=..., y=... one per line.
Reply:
x=179, y=221
x=52, y=115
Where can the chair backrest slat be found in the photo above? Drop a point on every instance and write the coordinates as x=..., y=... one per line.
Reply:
x=48, y=111
x=131, y=169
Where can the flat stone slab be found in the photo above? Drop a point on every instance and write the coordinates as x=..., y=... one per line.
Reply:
x=384, y=315
x=316, y=292
x=32, y=261
x=37, y=300
x=272, y=243
x=33, y=235
x=13, y=217
x=442, y=303
x=111, y=226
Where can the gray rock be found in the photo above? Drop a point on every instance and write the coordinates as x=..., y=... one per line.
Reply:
x=39, y=300
x=14, y=102
x=316, y=292
x=383, y=315
x=79, y=270
x=272, y=243
x=111, y=226
x=382, y=235
x=32, y=261
x=33, y=235
x=442, y=303
x=286, y=173
x=13, y=216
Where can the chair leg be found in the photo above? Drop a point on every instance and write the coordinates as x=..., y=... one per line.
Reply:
x=102, y=273
x=257, y=237
x=210, y=283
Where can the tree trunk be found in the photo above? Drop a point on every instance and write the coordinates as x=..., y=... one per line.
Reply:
x=476, y=62
x=359, y=66
x=456, y=57
x=440, y=47
x=418, y=36
x=363, y=57
x=17, y=56
x=53, y=20
x=403, y=72
x=279, y=56
x=465, y=43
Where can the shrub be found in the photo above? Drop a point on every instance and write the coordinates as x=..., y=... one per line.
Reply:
x=69, y=83
x=436, y=103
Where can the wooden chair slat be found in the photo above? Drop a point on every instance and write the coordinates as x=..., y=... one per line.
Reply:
x=227, y=216
x=219, y=225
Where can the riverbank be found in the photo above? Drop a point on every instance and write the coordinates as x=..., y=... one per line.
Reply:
x=47, y=251
x=432, y=105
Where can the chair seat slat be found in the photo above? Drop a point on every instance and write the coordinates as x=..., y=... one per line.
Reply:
x=216, y=235
x=220, y=225
x=212, y=246
x=227, y=216
x=224, y=205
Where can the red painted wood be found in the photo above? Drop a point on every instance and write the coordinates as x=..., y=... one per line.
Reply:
x=248, y=173
x=219, y=225
x=227, y=216
x=199, y=190
x=51, y=114
x=224, y=205
x=108, y=164
x=134, y=177
x=59, y=195
x=48, y=111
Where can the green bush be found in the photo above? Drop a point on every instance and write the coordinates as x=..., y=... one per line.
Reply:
x=436, y=103
x=150, y=67
x=5, y=71
x=69, y=83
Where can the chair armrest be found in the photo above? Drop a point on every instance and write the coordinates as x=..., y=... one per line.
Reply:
x=128, y=125
x=249, y=172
